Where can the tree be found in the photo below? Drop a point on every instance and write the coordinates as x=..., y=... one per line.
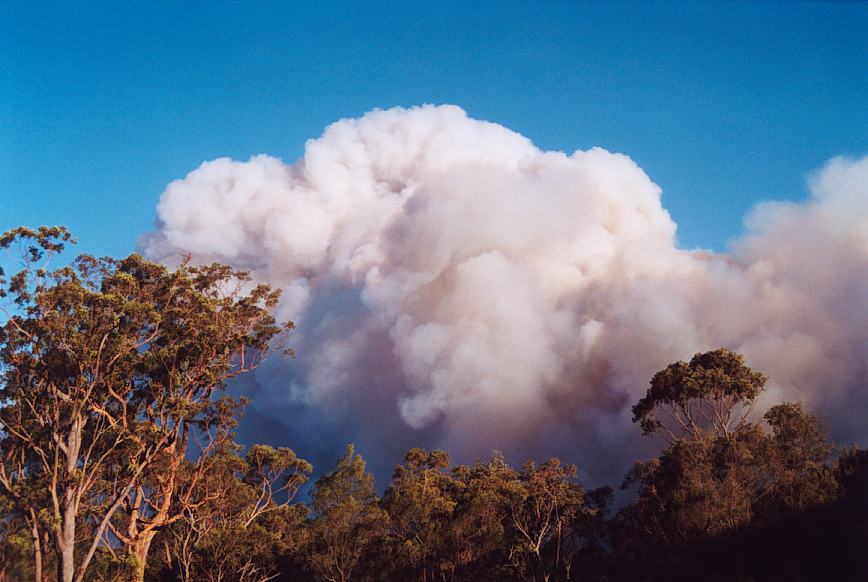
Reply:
x=347, y=519
x=211, y=331
x=714, y=392
x=233, y=529
x=216, y=539
x=14, y=539
x=720, y=474
x=110, y=367
x=799, y=463
x=697, y=488
x=276, y=475
x=474, y=538
x=420, y=501
x=23, y=493
x=544, y=502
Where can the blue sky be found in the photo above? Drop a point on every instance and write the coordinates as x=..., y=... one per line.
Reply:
x=723, y=104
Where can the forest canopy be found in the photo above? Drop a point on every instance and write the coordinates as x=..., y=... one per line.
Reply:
x=120, y=461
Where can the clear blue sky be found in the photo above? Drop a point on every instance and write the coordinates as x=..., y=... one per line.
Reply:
x=722, y=103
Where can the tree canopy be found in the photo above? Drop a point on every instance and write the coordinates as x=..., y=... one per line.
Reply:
x=118, y=460
x=110, y=370
x=714, y=392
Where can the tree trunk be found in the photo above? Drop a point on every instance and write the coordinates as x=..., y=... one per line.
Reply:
x=66, y=540
x=66, y=536
x=140, y=550
x=66, y=568
x=46, y=543
x=37, y=553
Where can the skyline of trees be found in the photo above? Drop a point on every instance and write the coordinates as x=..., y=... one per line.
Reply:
x=118, y=460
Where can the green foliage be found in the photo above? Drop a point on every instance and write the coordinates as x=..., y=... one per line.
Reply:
x=723, y=476
x=701, y=487
x=347, y=519
x=544, y=504
x=420, y=502
x=107, y=368
x=702, y=395
x=801, y=459
x=232, y=527
x=476, y=532
x=107, y=566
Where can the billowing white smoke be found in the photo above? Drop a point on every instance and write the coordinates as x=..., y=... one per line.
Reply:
x=455, y=286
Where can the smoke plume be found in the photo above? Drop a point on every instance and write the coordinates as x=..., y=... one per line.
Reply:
x=456, y=287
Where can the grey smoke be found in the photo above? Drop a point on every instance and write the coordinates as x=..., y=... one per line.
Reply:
x=456, y=287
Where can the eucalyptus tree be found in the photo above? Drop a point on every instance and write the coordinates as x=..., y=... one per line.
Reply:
x=713, y=393
x=420, y=502
x=348, y=520
x=239, y=521
x=545, y=502
x=110, y=369
x=721, y=472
